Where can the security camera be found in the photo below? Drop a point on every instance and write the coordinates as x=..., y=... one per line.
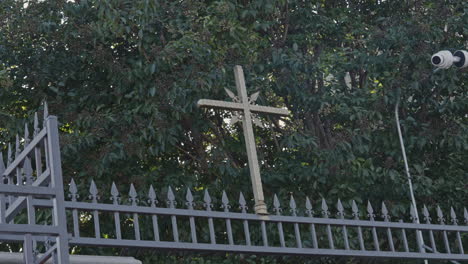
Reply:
x=443, y=59
x=461, y=57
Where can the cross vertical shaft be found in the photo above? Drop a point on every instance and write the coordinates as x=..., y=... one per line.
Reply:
x=260, y=206
x=246, y=107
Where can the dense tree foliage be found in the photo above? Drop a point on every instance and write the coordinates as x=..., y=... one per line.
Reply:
x=124, y=77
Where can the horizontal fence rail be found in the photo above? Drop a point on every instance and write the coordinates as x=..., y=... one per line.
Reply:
x=34, y=210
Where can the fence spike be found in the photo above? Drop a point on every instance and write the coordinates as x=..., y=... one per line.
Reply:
x=242, y=203
x=152, y=196
x=36, y=124
x=73, y=191
x=225, y=202
x=453, y=216
x=426, y=215
x=340, y=208
x=385, y=214
x=355, y=210
x=10, y=157
x=17, y=146
x=207, y=199
x=465, y=214
x=26, y=135
x=115, y=194
x=370, y=211
x=133, y=195
x=171, y=198
x=440, y=215
x=293, y=206
x=189, y=198
x=308, y=206
x=2, y=166
x=46, y=111
x=93, y=192
x=325, y=211
x=276, y=205
x=28, y=171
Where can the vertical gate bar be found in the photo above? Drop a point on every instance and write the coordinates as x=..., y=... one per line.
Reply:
x=30, y=210
x=371, y=216
x=386, y=218
x=171, y=202
x=455, y=222
x=428, y=219
x=297, y=233
x=326, y=214
x=37, y=149
x=28, y=250
x=441, y=219
x=405, y=240
x=154, y=218
x=133, y=199
x=94, y=196
x=277, y=209
x=226, y=206
x=74, y=196
x=136, y=225
x=355, y=210
x=60, y=217
x=419, y=235
x=19, y=177
x=115, y=200
x=264, y=234
x=310, y=213
x=208, y=205
x=345, y=231
x=2, y=208
x=193, y=230
x=245, y=223
x=10, y=177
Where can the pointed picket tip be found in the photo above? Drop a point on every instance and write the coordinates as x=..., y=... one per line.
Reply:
x=292, y=202
x=324, y=205
x=384, y=209
x=93, y=191
x=308, y=205
x=151, y=193
x=230, y=93
x=132, y=193
x=10, y=157
x=370, y=210
x=72, y=188
x=114, y=190
x=26, y=134
x=465, y=214
x=189, y=196
x=276, y=202
x=339, y=206
x=2, y=164
x=46, y=111
x=354, y=207
x=207, y=197
x=17, y=146
x=254, y=97
x=224, y=198
x=36, y=124
x=453, y=215
x=242, y=199
x=170, y=194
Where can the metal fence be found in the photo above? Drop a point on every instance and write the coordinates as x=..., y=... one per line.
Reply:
x=169, y=221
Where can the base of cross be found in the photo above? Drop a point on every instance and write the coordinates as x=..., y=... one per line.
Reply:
x=260, y=208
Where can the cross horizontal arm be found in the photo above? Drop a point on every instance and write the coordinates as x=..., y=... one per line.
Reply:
x=240, y=107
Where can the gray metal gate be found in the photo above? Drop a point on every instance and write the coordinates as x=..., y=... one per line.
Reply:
x=33, y=181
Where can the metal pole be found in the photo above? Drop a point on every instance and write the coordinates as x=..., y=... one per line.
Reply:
x=410, y=183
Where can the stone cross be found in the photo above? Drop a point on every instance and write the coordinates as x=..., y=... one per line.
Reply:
x=246, y=109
